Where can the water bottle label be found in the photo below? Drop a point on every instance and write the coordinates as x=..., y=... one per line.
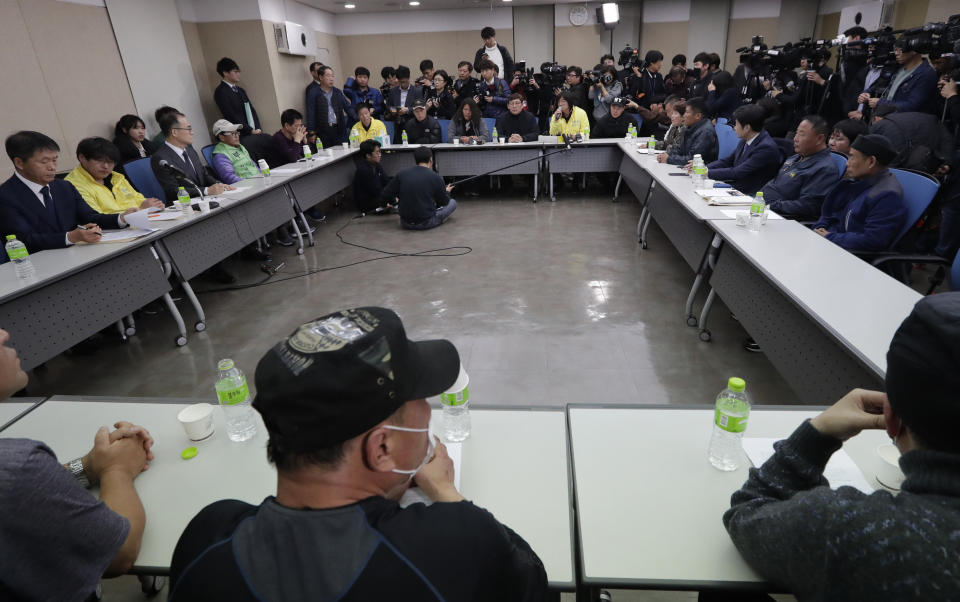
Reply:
x=19, y=253
x=757, y=207
x=229, y=397
x=458, y=398
x=731, y=424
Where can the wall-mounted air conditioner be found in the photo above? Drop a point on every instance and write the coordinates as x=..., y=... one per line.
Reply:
x=872, y=16
x=293, y=38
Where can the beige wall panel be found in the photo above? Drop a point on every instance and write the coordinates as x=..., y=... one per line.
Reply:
x=668, y=38
x=911, y=13
x=201, y=75
x=827, y=26
x=244, y=42
x=582, y=46
x=291, y=73
x=741, y=31
x=939, y=10
x=88, y=89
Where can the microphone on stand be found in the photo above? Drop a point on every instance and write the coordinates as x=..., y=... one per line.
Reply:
x=179, y=174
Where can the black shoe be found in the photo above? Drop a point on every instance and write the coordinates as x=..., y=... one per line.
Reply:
x=251, y=253
x=316, y=215
x=220, y=275
x=752, y=346
x=285, y=241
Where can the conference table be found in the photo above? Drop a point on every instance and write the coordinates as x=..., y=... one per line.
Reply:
x=532, y=496
x=649, y=504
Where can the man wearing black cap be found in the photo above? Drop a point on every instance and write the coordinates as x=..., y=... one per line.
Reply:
x=422, y=129
x=826, y=544
x=344, y=401
x=865, y=211
x=615, y=123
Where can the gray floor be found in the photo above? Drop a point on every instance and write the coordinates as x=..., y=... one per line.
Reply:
x=555, y=304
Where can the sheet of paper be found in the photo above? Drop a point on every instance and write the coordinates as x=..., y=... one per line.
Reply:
x=416, y=495
x=841, y=469
x=237, y=190
x=140, y=219
x=710, y=193
x=125, y=234
x=732, y=213
x=162, y=216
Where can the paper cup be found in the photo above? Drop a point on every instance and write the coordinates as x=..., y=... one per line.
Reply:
x=345, y=145
x=743, y=217
x=204, y=206
x=456, y=142
x=502, y=140
x=889, y=474
x=197, y=421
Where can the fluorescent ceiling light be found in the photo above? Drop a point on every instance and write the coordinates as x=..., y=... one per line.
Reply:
x=414, y=3
x=349, y=6
x=611, y=12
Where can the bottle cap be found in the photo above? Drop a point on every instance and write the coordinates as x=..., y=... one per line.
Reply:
x=188, y=452
x=11, y=237
x=735, y=384
x=760, y=193
x=225, y=364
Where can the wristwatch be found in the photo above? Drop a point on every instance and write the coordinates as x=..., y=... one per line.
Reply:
x=76, y=469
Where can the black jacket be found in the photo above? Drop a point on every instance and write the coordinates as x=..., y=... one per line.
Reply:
x=420, y=191
x=231, y=103
x=368, y=183
x=423, y=132
x=340, y=104
x=170, y=183
x=609, y=126
x=507, y=60
x=921, y=141
x=524, y=124
x=466, y=89
x=129, y=152
x=647, y=89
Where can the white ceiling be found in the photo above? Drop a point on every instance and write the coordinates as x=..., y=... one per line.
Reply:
x=368, y=6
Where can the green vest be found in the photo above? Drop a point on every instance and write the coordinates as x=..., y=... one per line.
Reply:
x=243, y=165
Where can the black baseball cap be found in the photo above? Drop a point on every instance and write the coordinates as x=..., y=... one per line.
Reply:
x=341, y=374
x=619, y=101
x=419, y=104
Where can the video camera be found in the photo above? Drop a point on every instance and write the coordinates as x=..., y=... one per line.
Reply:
x=630, y=58
x=554, y=74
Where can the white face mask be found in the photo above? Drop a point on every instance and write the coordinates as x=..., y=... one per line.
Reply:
x=431, y=447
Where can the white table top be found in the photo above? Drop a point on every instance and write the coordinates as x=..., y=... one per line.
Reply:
x=485, y=145
x=531, y=496
x=831, y=284
x=649, y=504
x=11, y=409
x=681, y=188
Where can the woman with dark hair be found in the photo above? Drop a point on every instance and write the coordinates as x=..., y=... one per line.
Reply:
x=776, y=122
x=440, y=101
x=604, y=90
x=569, y=119
x=467, y=124
x=130, y=138
x=722, y=98
x=844, y=133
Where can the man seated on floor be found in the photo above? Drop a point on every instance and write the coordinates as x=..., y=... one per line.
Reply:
x=369, y=180
x=756, y=158
x=344, y=401
x=422, y=129
x=419, y=193
x=615, y=123
x=866, y=210
x=368, y=127
x=517, y=125
x=699, y=136
x=841, y=544
x=58, y=540
x=806, y=177
x=41, y=210
x=105, y=190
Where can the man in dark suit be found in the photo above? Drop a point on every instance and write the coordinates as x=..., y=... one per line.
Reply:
x=402, y=98
x=233, y=100
x=42, y=211
x=756, y=159
x=330, y=110
x=178, y=151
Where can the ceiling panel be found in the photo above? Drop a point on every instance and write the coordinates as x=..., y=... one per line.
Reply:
x=368, y=6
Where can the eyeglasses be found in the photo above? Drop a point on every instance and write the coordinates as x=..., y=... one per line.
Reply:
x=233, y=133
x=189, y=128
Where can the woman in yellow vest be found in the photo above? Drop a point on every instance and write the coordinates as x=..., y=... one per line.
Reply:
x=102, y=188
x=569, y=119
x=368, y=128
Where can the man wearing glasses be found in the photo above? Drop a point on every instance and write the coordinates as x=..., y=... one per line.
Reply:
x=914, y=85
x=178, y=151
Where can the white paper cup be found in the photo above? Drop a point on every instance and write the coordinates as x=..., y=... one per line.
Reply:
x=345, y=145
x=197, y=421
x=503, y=140
x=743, y=217
x=889, y=474
x=204, y=206
x=456, y=142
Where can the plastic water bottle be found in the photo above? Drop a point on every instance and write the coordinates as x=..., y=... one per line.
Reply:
x=264, y=168
x=183, y=199
x=455, y=421
x=629, y=132
x=729, y=423
x=586, y=132
x=757, y=209
x=495, y=135
x=17, y=252
x=695, y=171
x=404, y=138
x=234, y=397
x=307, y=153
x=354, y=138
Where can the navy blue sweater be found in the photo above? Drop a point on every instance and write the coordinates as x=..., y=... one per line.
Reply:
x=864, y=215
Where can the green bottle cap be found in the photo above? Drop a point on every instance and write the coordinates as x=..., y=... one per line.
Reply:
x=11, y=237
x=737, y=385
x=188, y=453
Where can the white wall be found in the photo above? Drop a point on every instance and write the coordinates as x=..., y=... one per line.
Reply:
x=708, y=26
x=535, y=46
x=205, y=11
x=424, y=21
x=154, y=52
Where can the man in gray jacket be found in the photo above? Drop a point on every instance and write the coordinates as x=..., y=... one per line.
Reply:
x=826, y=544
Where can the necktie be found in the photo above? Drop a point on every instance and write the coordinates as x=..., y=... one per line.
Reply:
x=190, y=171
x=48, y=203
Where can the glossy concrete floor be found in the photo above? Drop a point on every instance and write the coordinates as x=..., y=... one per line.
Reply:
x=556, y=303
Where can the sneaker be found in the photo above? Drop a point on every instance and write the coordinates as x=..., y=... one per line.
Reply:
x=285, y=241
x=316, y=215
x=752, y=346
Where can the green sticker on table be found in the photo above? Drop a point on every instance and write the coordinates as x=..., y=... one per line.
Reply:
x=188, y=453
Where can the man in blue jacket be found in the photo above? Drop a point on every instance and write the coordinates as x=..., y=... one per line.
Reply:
x=913, y=87
x=756, y=158
x=798, y=190
x=358, y=91
x=699, y=137
x=42, y=211
x=866, y=211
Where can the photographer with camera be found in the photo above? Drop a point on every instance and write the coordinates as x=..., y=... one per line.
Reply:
x=853, y=67
x=440, y=101
x=526, y=85
x=604, y=89
x=914, y=85
x=401, y=98
x=646, y=87
x=573, y=83
x=466, y=86
x=815, y=77
x=426, y=74
x=493, y=91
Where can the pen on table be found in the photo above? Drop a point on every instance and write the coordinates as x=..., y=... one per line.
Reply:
x=79, y=227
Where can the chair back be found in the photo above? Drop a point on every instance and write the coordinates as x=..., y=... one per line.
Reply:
x=918, y=191
x=955, y=273
x=840, y=161
x=207, y=153
x=727, y=140
x=638, y=119
x=721, y=121
x=786, y=147
x=444, y=129
x=491, y=123
x=143, y=179
x=391, y=130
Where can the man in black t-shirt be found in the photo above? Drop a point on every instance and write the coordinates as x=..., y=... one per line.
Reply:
x=344, y=401
x=419, y=192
